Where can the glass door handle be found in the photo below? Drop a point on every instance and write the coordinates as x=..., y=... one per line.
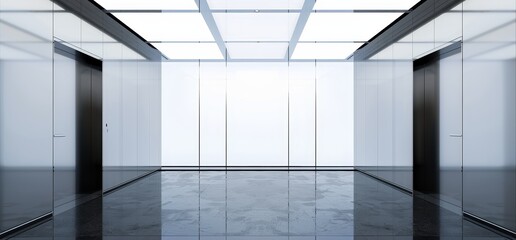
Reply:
x=456, y=135
x=59, y=136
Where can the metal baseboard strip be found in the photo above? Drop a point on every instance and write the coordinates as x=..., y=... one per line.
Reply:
x=489, y=225
x=125, y=184
x=20, y=228
x=255, y=168
x=76, y=202
x=407, y=191
x=334, y=168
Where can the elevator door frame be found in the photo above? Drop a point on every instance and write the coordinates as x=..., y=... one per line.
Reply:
x=426, y=133
x=90, y=179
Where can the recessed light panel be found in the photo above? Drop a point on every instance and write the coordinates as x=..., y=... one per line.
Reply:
x=190, y=50
x=148, y=4
x=256, y=4
x=331, y=51
x=364, y=4
x=256, y=26
x=168, y=26
x=345, y=26
x=257, y=50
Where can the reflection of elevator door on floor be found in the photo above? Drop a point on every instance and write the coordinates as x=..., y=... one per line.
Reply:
x=77, y=125
x=438, y=125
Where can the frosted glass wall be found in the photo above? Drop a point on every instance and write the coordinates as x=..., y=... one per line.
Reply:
x=257, y=113
x=383, y=113
x=131, y=99
x=489, y=111
x=26, y=51
x=131, y=105
x=384, y=96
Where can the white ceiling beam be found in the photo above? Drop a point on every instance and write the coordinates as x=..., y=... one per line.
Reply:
x=301, y=22
x=210, y=21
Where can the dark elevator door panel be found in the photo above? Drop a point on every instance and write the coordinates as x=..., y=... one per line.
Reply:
x=77, y=125
x=426, y=128
x=89, y=129
x=96, y=128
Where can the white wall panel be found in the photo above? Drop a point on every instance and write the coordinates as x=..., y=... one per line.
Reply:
x=335, y=113
x=302, y=114
x=180, y=111
x=257, y=114
x=213, y=113
x=268, y=108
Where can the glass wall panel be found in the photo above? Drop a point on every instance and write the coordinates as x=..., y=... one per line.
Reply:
x=371, y=117
x=257, y=133
x=385, y=118
x=488, y=32
x=402, y=119
x=448, y=27
x=335, y=113
x=155, y=116
x=359, y=115
x=26, y=52
x=129, y=116
x=144, y=101
x=489, y=112
x=180, y=109
x=302, y=114
x=112, y=140
x=131, y=99
x=213, y=114
x=450, y=129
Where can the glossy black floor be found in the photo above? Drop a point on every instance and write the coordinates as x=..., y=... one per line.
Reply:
x=300, y=205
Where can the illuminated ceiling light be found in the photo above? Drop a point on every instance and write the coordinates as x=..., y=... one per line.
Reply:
x=256, y=4
x=331, y=51
x=168, y=26
x=345, y=26
x=190, y=50
x=256, y=26
x=364, y=4
x=148, y=4
x=257, y=50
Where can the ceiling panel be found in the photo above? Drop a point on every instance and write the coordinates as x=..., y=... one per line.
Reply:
x=256, y=4
x=345, y=26
x=148, y=4
x=190, y=50
x=257, y=50
x=256, y=26
x=364, y=4
x=324, y=50
x=168, y=26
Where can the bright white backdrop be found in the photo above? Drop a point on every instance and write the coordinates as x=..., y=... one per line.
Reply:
x=257, y=113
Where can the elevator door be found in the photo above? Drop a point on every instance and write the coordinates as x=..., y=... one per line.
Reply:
x=438, y=126
x=77, y=126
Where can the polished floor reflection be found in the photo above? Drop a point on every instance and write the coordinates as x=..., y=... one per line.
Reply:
x=299, y=205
